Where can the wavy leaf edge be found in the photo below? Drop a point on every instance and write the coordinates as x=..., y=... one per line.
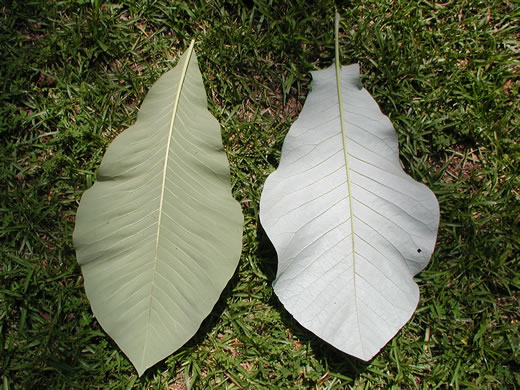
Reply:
x=313, y=289
x=192, y=225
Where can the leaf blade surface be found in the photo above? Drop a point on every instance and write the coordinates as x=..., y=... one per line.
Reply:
x=350, y=227
x=158, y=236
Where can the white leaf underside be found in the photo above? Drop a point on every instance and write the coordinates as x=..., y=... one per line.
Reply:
x=158, y=236
x=350, y=227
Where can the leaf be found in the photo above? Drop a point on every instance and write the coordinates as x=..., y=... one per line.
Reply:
x=350, y=228
x=158, y=236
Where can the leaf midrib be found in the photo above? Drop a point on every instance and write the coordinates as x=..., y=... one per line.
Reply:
x=163, y=185
x=347, y=167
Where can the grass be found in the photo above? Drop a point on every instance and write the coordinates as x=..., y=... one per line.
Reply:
x=73, y=74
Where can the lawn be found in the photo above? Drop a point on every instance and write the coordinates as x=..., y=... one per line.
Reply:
x=72, y=76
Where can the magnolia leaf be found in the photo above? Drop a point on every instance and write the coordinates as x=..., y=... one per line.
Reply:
x=158, y=236
x=350, y=227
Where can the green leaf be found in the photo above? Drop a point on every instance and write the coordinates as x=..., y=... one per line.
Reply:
x=350, y=227
x=158, y=236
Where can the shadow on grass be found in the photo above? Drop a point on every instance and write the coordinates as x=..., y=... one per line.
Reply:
x=334, y=360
